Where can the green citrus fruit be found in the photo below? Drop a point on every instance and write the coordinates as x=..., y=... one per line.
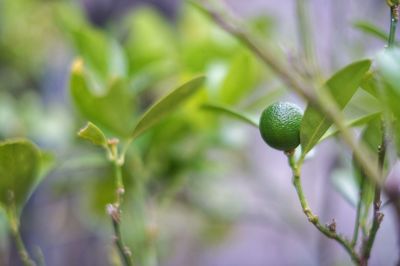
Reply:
x=280, y=125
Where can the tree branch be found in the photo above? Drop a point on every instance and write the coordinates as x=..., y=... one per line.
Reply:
x=329, y=230
x=378, y=216
x=114, y=210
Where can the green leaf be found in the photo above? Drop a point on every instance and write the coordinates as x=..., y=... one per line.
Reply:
x=113, y=110
x=350, y=184
x=100, y=52
x=202, y=41
x=371, y=29
x=262, y=25
x=360, y=121
x=117, y=65
x=389, y=68
x=342, y=86
x=93, y=134
x=261, y=101
x=20, y=172
x=167, y=105
x=372, y=138
x=370, y=84
x=224, y=110
x=241, y=77
x=151, y=40
x=47, y=163
x=345, y=185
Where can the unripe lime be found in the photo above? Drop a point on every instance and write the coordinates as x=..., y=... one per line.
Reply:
x=280, y=125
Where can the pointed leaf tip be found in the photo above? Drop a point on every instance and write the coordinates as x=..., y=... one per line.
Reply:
x=225, y=110
x=166, y=105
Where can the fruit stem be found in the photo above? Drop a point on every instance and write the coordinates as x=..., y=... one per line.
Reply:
x=15, y=232
x=328, y=230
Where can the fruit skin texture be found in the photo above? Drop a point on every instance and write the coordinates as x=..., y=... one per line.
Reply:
x=280, y=125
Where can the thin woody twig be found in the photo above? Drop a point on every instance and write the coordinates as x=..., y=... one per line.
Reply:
x=330, y=229
x=377, y=216
x=114, y=210
x=115, y=214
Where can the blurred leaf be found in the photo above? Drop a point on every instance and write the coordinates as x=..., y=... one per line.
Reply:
x=372, y=138
x=90, y=44
x=262, y=25
x=47, y=163
x=361, y=104
x=114, y=110
x=349, y=185
x=117, y=65
x=369, y=84
x=23, y=52
x=167, y=105
x=342, y=86
x=345, y=185
x=241, y=77
x=103, y=55
x=202, y=42
x=99, y=188
x=9, y=119
x=81, y=163
x=371, y=29
x=220, y=109
x=151, y=40
x=20, y=168
x=389, y=68
x=360, y=121
x=148, y=76
x=261, y=100
x=93, y=134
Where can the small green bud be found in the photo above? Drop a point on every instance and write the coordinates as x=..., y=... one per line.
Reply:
x=93, y=134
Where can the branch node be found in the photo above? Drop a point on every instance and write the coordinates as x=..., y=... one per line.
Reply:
x=114, y=212
x=127, y=251
x=120, y=191
x=380, y=217
x=332, y=226
x=378, y=205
